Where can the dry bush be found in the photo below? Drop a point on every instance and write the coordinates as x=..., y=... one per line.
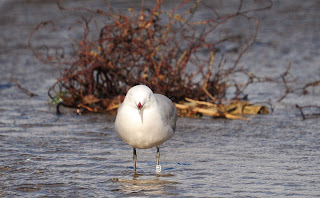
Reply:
x=155, y=47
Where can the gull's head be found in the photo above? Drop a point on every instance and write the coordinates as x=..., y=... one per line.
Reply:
x=140, y=96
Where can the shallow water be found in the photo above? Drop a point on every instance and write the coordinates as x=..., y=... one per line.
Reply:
x=47, y=155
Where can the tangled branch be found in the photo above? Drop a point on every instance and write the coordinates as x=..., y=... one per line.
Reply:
x=140, y=48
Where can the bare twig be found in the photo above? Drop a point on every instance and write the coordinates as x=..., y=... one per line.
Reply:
x=24, y=90
x=304, y=116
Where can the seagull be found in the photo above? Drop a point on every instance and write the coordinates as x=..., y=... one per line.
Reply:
x=145, y=120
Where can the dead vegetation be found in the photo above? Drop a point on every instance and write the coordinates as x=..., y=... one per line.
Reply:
x=158, y=48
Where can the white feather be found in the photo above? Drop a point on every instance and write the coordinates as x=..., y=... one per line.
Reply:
x=149, y=126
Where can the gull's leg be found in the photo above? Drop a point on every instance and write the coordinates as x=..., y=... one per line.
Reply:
x=135, y=160
x=158, y=155
x=158, y=167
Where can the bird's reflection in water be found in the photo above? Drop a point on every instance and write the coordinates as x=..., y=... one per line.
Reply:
x=146, y=184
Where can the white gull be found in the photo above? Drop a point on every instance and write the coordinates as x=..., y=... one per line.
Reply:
x=145, y=120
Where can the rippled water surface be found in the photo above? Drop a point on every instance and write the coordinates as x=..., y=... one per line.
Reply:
x=47, y=155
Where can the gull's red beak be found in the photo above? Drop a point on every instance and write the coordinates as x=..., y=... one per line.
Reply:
x=139, y=105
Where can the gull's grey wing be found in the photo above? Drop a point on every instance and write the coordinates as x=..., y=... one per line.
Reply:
x=167, y=110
